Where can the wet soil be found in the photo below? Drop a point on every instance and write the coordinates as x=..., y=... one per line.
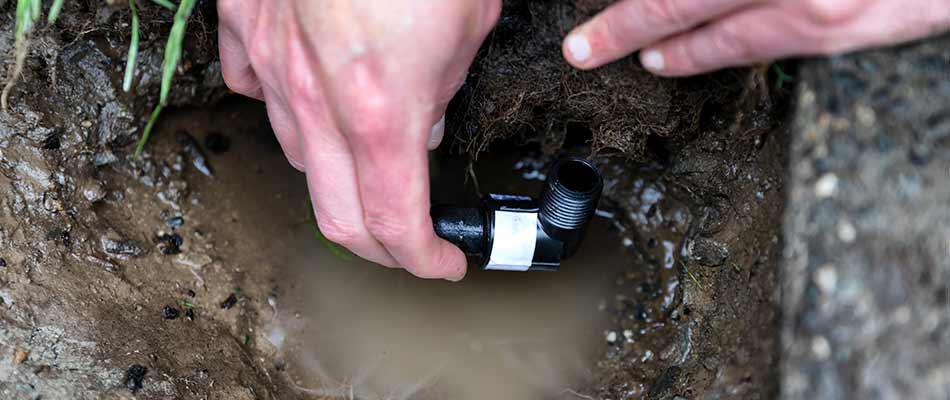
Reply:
x=96, y=244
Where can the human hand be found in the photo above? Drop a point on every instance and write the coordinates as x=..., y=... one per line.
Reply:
x=356, y=91
x=686, y=37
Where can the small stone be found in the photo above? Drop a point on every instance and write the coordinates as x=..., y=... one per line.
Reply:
x=86, y=124
x=647, y=356
x=628, y=334
x=229, y=302
x=194, y=260
x=826, y=278
x=190, y=147
x=169, y=244
x=826, y=185
x=175, y=222
x=120, y=247
x=611, y=337
x=169, y=312
x=134, y=376
x=103, y=158
x=19, y=355
x=846, y=231
x=707, y=252
x=820, y=347
x=93, y=191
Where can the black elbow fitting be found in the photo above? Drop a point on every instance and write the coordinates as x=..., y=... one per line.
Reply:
x=520, y=233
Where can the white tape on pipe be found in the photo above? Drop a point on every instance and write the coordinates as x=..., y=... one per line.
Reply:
x=514, y=240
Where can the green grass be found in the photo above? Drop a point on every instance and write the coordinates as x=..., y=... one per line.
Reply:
x=24, y=18
x=27, y=13
x=335, y=249
x=147, y=131
x=54, y=11
x=169, y=64
x=165, y=3
x=780, y=76
x=133, y=49
x=35, y=10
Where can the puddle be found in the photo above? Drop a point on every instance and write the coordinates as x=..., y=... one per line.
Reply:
x=385, y=334
x=354, y=330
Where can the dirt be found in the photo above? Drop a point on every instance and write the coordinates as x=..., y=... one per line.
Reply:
x=96, y=244
x=520, y=87
x=865, y=306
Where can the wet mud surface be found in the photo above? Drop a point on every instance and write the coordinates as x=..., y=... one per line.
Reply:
x=161, y=276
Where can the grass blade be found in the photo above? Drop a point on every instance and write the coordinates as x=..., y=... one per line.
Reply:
x=334, y=248
x=173, y=47
x=34, y=10
x=54, y=11
x=169, y=65
x=165, y=3
x=24, y=21
x=148, y=129
x=133, y=49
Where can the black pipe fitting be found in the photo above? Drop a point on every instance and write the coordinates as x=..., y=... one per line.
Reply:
x=520, y=233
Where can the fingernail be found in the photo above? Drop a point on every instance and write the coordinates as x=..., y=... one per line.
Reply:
x=652, y=60
x=457, y=278
x=578, y=46
x=436, y=134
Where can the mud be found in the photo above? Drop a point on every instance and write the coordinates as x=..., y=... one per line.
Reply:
x=95, y=244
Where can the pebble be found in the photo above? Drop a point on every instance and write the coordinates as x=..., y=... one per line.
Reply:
x=134, y=376
x=628, y=334
x=229, y=302
x=121, y=247
x=846, y=231
x=820, y=347
x=169, y=244
x=826, y=185
x=826, y=278
x=611, y=337
x=19, y=355
x=93, y=192
x=169, y=312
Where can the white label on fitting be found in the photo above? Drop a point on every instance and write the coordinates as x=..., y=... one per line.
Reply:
x=514, y=240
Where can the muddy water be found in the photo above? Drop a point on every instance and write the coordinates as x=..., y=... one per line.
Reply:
x=493, y=335
x=382, y=333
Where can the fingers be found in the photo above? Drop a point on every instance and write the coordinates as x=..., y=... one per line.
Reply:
x=436, y=134
x=750, y=36
x=389, y=149
x=629, y=25
x=236, y=68
x=284, y=127
x=333, y=189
